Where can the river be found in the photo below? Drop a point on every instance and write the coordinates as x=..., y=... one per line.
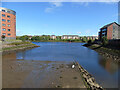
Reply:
x=104, y=71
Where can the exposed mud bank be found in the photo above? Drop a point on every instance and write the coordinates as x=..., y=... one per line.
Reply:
x=40, y=74
x=17, y=48
x=106, y=52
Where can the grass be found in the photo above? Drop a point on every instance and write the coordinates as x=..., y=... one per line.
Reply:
x=16, y=47
x=19, y=43
x=12, y=40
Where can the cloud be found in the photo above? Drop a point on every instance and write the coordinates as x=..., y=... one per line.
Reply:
x=56, y=4
x=47, y=10
x=78, y=32
x=83, y=3
x=53, y=6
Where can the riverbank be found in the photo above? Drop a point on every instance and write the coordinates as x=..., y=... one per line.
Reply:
x=107, y=52
x=40, y=74
x=59, y=41
x=17, y=46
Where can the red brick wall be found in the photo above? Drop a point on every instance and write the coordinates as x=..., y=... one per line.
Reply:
x=109, y=32
x=12, y=24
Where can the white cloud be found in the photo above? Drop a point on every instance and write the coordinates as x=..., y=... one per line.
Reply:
x=78, y=32
x=83, y=3
x=56, y=4
x=47, y=10
x=53, y=5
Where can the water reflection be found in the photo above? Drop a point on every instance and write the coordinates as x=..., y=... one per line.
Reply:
x=109, y=65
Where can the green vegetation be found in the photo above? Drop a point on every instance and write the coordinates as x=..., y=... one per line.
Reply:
x=46, y=38
x=104, y=41
x=19, y=43
x=16, y=47
x=3, y=37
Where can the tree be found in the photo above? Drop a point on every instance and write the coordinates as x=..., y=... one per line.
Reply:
x=104, y=40
x=89, y=41
x=24, y=38
x=3, y=37
x=84, y=39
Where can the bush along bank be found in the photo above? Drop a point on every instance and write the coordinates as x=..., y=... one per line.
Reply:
x=16, y=46
x=107, y=52
x=88, y=79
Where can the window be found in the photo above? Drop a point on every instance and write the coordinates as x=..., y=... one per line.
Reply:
x=3, y=24
x=8, y=16
x=8, y=25
x=113, y=27
x=4, y=34
x=3, y=15
x=3, y=29
x=3, y=10
x=9, y=34
x=3, y=20
x=8, y=20
x=8, y=11
x=104, y=30
x=8, y=29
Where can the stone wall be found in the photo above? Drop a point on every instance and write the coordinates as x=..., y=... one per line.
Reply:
x=89, y=79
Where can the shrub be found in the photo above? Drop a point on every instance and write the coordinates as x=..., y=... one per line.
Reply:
x=104, y=41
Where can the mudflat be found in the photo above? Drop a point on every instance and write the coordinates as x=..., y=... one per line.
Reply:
x=40, y=74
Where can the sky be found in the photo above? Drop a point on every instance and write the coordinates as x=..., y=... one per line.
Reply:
x=62, y=18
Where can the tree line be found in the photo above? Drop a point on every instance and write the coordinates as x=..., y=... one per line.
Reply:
x=45, y=38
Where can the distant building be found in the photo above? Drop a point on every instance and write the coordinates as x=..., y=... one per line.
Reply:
x=111, y=31
x=53, y=37
x=70, y=37
x=92, y=37
x=30, y=37
x=7, y=23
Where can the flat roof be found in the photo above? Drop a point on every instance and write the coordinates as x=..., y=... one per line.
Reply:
x=6, y=10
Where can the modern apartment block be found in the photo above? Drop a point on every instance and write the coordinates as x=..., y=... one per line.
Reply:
x=7, y=23
x=111, y=31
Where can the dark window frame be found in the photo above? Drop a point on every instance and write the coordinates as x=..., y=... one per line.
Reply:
x=8, y=16
x=9, y=34
x=4, y=20
x=8, y=29
x=3, y=10
x=3, y=24
x=8, y=20
x=3, y=15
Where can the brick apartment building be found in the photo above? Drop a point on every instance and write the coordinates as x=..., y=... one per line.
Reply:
x=70, y=37
x=7, y=23
x=111, y=31
x=53, y=37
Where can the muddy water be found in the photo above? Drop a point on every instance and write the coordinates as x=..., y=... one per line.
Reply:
x=104, y=70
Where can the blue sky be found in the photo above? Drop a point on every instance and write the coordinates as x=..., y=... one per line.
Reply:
x=62, y=18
